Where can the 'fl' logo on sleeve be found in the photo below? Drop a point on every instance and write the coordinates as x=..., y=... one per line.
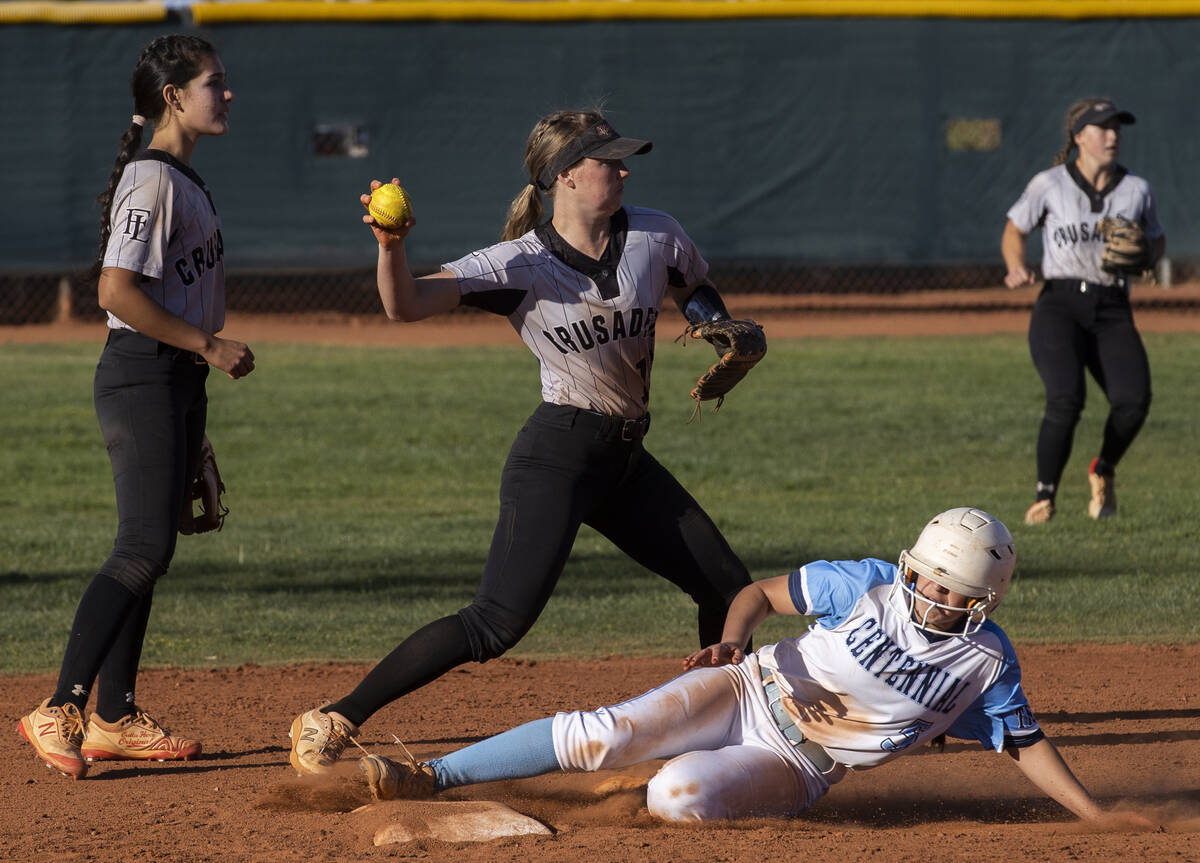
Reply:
x=135, y=222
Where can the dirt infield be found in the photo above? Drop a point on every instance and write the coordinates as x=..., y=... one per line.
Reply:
x=1126, y=718
x=783, y=316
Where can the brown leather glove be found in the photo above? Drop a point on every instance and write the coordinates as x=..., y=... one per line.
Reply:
x=1126, y=252
x=207, y=488
x=739, y=344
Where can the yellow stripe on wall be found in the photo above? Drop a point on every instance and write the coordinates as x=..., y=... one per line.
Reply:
x=581, y=10
x=81, y=13
x=87, y=12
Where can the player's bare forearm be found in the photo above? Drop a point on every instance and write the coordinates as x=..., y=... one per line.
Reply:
x=753, y=604
x=119, y=291
x=406, y=298
x=395, y=282
x=749, y=608
x=1012, y=248
x=1045, y=768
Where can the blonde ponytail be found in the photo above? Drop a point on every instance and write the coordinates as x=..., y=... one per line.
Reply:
x=548, y=138
x=524, y=213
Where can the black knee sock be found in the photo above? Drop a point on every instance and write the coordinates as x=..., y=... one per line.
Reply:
x=102, y=612
x=425, y=655
x=118, y=675
x=1053, y=450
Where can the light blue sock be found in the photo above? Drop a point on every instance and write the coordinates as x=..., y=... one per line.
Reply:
x=527, y=750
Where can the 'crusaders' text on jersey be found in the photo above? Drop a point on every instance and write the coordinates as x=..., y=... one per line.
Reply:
x=164, y=226
x=1068, y=209
x=590, y=323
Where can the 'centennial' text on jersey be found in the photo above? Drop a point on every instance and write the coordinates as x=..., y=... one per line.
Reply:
x=866, y=683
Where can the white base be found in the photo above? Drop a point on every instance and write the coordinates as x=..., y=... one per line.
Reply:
x=468, y=821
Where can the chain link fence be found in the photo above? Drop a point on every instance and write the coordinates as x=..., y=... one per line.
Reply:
x=47, y=297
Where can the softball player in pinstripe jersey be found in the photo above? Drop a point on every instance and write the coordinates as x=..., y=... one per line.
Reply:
x=584, y=291
x=1082, y=318
x=162, y=283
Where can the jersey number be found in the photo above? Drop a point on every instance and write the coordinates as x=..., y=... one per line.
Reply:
x=643, y=367
x=907, y=737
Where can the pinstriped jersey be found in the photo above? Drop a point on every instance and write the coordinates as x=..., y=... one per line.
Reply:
x=590, y=323
x=866, y=683
x=165, y=226
x=1067, y=208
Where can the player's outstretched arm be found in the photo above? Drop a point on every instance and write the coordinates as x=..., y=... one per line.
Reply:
x=753, y=604
x=406, y=298
x=1045, y=768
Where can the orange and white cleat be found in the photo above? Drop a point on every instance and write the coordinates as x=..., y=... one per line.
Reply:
x=397, y=780
x=1040, y=512
x=56, y=733
x=1103, y=503
x=137, y=737
x=318, y=739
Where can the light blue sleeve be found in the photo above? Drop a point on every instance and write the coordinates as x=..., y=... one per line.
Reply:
x=1002, y=710
x=829, y=590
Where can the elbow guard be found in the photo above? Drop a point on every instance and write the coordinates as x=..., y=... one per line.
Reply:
x=704, y=305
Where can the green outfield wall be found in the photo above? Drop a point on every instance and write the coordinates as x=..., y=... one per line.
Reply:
x=815, y=137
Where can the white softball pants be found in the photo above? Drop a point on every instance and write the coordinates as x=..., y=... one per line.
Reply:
x=728, y=757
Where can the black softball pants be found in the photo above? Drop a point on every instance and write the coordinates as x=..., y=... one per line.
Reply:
x=567, y=467
x=570, y=467
x=1076, y=326
x=151, y=403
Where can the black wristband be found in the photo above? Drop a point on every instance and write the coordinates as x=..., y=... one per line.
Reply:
x=705, y=304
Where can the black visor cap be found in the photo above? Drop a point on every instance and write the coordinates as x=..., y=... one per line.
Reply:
x=1099, y=114
x=600, y=141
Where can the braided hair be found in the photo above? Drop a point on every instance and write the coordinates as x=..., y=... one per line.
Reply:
x=174, y=59
x=1076, y=111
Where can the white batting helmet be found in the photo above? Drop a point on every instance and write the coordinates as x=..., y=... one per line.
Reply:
x=964, y=550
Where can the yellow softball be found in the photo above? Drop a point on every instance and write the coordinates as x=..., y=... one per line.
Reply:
x=390, y=207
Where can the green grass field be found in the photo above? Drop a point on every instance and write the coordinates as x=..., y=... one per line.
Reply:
x=362, y=483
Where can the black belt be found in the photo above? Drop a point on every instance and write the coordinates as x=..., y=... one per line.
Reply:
x=605, y=426
x=1083, y=286
x=116, y=334
x=811, y=750
x=190, y=356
